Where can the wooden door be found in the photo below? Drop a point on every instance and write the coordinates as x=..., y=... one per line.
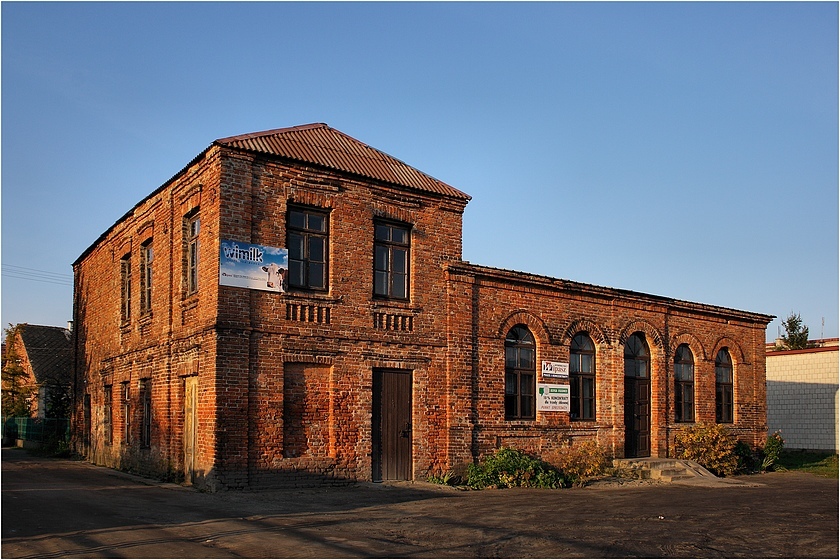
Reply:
x=190, y=415
x=636, y=417
x=391, y=425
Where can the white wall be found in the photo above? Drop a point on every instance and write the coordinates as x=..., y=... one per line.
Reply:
x=802, y=397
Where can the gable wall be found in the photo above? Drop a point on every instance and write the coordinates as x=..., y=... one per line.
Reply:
x=300, y=365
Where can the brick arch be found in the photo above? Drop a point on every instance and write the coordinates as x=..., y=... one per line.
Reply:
x=587, y=326
x=651, y=332
x=693, y=343
x=390, y=212
x=735, y=350
x=534, y=324
x=309, y=198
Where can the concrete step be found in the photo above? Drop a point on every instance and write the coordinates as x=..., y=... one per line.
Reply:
x=665, y=470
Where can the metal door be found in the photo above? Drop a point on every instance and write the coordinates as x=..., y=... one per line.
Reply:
x=391, y=425
x=190, y=408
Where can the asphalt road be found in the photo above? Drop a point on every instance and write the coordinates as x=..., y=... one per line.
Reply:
x=59, y=508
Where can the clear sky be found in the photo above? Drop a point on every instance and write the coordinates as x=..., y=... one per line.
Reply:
x=678, y=149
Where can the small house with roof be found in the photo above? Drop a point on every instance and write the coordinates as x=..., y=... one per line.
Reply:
x=45, y=355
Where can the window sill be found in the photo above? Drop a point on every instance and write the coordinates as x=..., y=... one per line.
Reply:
x=316, y=297
x=395, y=304
x=189, y=301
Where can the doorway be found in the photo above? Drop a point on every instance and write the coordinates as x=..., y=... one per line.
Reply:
x=391, y=425
x=190, y=415
x=636, y=397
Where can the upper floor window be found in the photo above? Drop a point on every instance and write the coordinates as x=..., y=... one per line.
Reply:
x=146, y=258
x=582, y=378
x=125, y=288
x=308, y=242
x=684, y=384
x=392, y=246
x=192, y=227
x=723, y=387
x=520, y=374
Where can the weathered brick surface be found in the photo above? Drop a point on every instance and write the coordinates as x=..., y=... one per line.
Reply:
x=484, y=304
x=285, y=381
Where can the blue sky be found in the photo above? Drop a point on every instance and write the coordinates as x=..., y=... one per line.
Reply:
x=679, y=149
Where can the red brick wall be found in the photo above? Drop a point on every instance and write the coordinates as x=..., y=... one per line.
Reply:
x=285, y=381
x=485, y=303
x=329, y=343
x=175, y=340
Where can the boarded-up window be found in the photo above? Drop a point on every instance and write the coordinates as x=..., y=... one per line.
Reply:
x=306, y=410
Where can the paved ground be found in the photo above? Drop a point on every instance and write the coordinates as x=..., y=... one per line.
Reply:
x=57, y=508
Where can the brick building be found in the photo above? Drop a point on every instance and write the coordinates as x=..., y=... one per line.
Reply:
x=293, y=305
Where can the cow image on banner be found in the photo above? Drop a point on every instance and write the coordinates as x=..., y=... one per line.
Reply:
x=256, y=267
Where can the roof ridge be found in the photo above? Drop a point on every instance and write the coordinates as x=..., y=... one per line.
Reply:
x=273, y=132
x=323, y=145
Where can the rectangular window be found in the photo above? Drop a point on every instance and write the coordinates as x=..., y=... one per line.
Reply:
x=392, y=246
x=684, y=401
x=723, y=403
x=308, y=243
x=582, y=379
x=87, y=419
x=125, y=288
x=107, y=420
x=126, y=412
x=146, y=258
x=723, y=393
x=146, y=404
x=192, y=227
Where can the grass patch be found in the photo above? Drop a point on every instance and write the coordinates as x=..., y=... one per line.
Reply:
x=820, y=464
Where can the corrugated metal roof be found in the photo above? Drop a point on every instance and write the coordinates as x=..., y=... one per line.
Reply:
x=325, y=146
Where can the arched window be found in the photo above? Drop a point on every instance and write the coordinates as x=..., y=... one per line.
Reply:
x=582, y=378
x=636, y=357
x=520, y=374
x=684, y=384
x=723, y=387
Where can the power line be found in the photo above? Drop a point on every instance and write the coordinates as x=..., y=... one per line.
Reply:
x=35, y=275
x=23, y=269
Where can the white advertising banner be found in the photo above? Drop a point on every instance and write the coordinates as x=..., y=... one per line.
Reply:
x=555, y=369
x=553, y=398
x=255, y=267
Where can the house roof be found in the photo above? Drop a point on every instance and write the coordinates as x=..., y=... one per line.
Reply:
x=322, y=145
x=49, y=351
x=315, y=144
x=525, y=278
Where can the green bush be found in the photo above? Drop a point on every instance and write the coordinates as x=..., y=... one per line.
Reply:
x=509, y=468
x=580, y=462
x=747, y=458
x=711, y=445
x=772, y=450
x=447, y=478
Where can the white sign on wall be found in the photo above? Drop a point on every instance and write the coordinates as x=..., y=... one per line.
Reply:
x=553, y=398
x=555, y=369
x=255, y=267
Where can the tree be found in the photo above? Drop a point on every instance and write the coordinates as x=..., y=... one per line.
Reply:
x=17, y=392
x=796, y=333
